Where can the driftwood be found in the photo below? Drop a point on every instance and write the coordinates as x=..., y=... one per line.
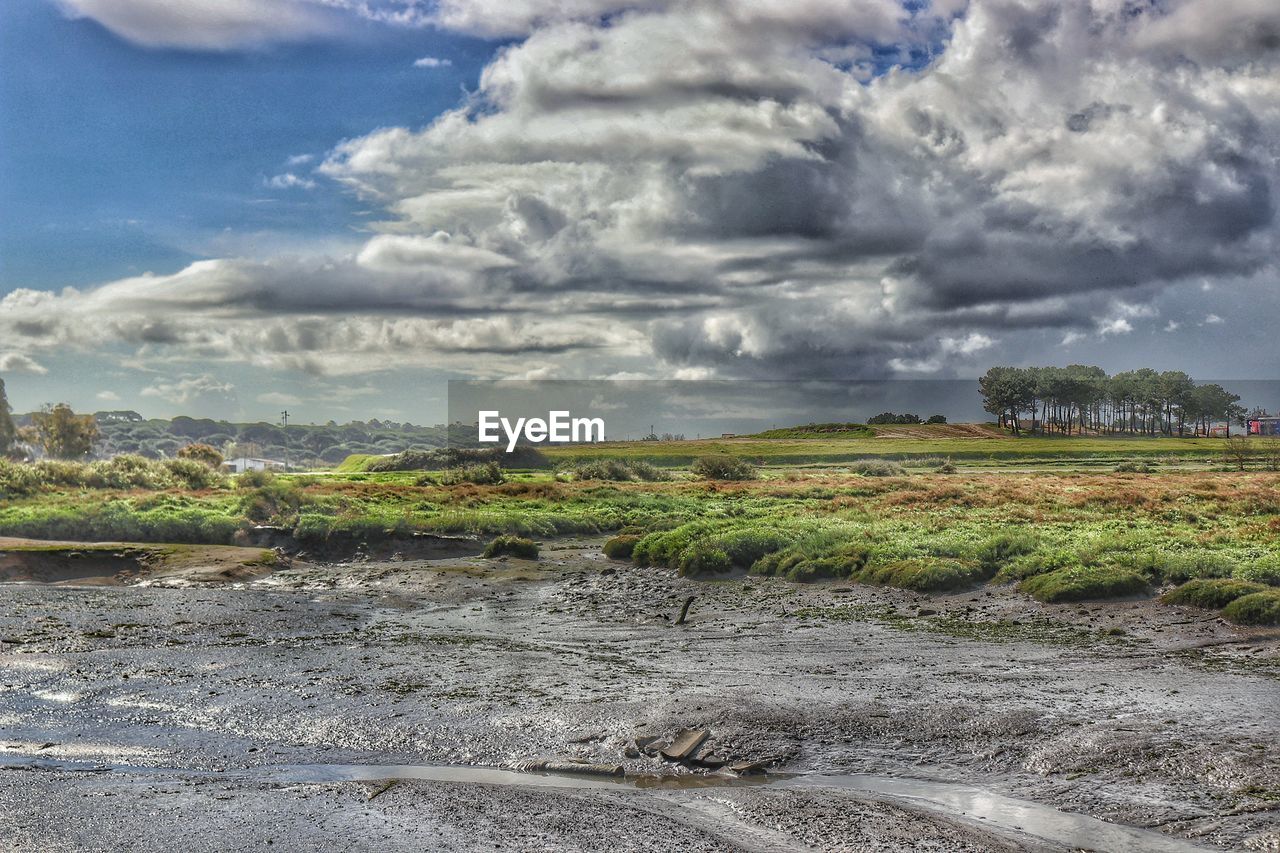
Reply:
x=684, y=611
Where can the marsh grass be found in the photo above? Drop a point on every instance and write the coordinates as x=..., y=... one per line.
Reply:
x=620, y=547
x=515, y=546
x=1259, y=608
x=1083, y=583
x=1211, y=593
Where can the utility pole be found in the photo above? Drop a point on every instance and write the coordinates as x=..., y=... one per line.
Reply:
x=284, y=419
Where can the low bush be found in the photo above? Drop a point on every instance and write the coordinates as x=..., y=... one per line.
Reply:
x=276, y=502
x=621, y=547
x=619, y=470
x=1260, y=608
x=723, y=467
x=1212, y=593
x=1081, y=583
x=484, y=474
x=1135, y=466
x=877, y=468
x=515, y=546
x=194, y=474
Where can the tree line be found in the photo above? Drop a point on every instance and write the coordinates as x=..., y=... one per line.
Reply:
x=1081, y=398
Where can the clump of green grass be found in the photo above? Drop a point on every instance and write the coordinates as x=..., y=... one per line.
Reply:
x=515, y=546
x=994, y=552
x=732, y=549
x=621, y=547
x=723, y=467
x=1263, y=570
x=877, y=468
x=819, y=555
x=1039, y=562
x=1163, y=566
x=1081, y=583
x=926, y=574
x=1259, y=608
x=1211, y=593
x=1135, y=466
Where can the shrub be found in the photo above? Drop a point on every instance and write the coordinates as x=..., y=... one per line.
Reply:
x=252, y=479
x=277, y=501
x=202, y=453
x=621, y=547
x=1212, y=593
x=1135, y=466
x=621, y=470
x=1080, y=583
x=516, y=546
x=877, y=468
x=194, y=474
x=1260, y=608
x=886, y=418
x=723, y=467
x=485, y=474
x=947, y=467
x=17, y=479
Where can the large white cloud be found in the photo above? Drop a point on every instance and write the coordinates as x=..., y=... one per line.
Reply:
x=739, y=188
x=205, y=24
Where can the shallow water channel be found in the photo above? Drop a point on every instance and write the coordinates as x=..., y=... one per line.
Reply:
x=946, y=798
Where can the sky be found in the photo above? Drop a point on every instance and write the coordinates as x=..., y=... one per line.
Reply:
x=226, y=208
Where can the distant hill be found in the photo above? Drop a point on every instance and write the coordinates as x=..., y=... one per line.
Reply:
x=305, y=444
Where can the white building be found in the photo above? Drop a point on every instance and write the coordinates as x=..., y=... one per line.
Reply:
x=249, y=463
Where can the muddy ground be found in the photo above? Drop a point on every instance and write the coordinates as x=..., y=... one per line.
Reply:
x=178, y=713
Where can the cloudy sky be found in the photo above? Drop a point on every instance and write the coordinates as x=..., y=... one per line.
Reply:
x=227, y=207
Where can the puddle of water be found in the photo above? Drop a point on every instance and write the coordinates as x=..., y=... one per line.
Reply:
x=1075, y=830
x=955, y=799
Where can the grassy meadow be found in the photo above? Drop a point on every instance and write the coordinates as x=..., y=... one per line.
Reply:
x=904, y=516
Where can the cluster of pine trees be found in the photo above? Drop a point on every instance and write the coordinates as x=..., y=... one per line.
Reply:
x=1080, y=398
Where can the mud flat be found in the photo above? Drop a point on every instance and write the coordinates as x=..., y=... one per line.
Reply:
x=385, y=705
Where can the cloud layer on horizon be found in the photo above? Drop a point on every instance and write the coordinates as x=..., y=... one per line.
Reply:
x=741, y=189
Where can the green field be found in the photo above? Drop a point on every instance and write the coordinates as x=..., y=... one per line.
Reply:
x=1058, y=450
x=1050, y=517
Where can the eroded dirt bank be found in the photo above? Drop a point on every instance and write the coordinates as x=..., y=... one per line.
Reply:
x=1131, y=711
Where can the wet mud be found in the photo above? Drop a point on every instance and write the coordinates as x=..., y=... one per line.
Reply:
x=278, y=708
